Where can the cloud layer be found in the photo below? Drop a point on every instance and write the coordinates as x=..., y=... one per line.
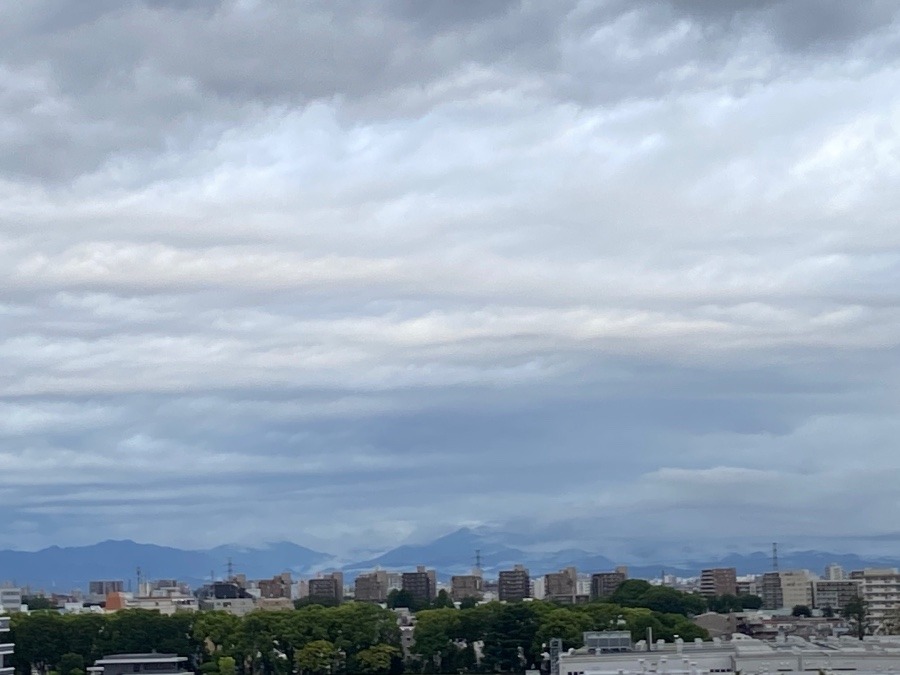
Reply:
x=354, y=275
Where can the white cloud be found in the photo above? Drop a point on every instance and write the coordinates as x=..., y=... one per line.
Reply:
x=654, y=245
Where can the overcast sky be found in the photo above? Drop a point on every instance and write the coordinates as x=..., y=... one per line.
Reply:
x=356, y=274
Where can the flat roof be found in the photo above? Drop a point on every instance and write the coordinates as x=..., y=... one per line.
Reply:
x=140, y=658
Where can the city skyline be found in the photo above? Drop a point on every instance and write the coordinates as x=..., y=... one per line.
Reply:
x=358, y=277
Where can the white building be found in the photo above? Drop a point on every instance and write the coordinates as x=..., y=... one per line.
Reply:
x=741, y=654
x=11, y=599
x=881, y=591
x=6, y=648
x=834, y=572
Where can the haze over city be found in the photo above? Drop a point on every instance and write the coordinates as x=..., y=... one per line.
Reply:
x=354, y=275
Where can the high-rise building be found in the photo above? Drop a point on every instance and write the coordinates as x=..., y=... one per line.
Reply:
x=718, y=581
x=561, y=586
x=881, y=592
x=371, y=587
x=770, y=591
x=466, y=586
x=104, y=588
x=6, y=648
x=327, y=589
x=514, y=584
x=421, y=584
x=279, y=586
x=786, y=589
x=835, y=594
x=834, y=572
x=604, y=584
x=10, y=599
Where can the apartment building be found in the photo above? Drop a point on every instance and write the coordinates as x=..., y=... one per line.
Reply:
x=327, y=589
x=371, y=587
x=786, y=589
x=466, y=586
x=421, y=584
x=279, y=586
x=881, y=591
x=104, y=588
x=514, y=584
x=226, y=596
x=834, y=572
x=835, y=594
x=604, y=584
x=10, y=600
x=718, y=581
x=561, y=586
x=6, y=648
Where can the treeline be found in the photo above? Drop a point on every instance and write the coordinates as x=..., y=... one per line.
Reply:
x=351, y=638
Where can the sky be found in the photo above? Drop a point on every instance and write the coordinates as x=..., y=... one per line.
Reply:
x=358, y=274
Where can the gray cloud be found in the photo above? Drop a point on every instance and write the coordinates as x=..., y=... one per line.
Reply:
x=564, y=268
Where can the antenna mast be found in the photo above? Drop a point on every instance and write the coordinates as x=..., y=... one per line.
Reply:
x=775, y=557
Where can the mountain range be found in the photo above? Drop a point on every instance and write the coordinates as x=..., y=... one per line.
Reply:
x=62, y=569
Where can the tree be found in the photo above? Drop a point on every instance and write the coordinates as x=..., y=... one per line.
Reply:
x=435, y=634
x=629, y=592
x=226, y=665
x=724, y=604
x=509, y=638
x=669, y=601
x=750, y=601
x=801, y=610
x=70, y=662
x=828, y=611
x=562, y=623
x=377, y=660
x=36, y=602
x=319, y=657
x=857, y=613
x=468, y=603
x=399, y=598
x=443, y=600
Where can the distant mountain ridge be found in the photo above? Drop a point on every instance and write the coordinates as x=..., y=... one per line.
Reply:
x=62, y=569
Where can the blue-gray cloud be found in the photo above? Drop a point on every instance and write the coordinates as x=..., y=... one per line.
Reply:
x=352, y=275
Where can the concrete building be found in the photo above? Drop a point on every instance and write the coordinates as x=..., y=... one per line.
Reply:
x=6, y=648
x=604, y=584
x=796, y=588
x=881, y=591
x=561, y=586
x=104, y=588
x=835, y=594
x=514, y=584
x=226, y=596
x=466, y=586
x=770, y=591
x=279, y=586
x=371, y=587
x=718, y=625
x=834, y=572
x=327, y=589
x=129, y=664
x=718, y=581
x=10, y=600
x=741, y=654
x=421, y=584
x=168, y=605
x=786, y=589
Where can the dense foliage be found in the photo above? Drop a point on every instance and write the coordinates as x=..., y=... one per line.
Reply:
x=352, y=638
